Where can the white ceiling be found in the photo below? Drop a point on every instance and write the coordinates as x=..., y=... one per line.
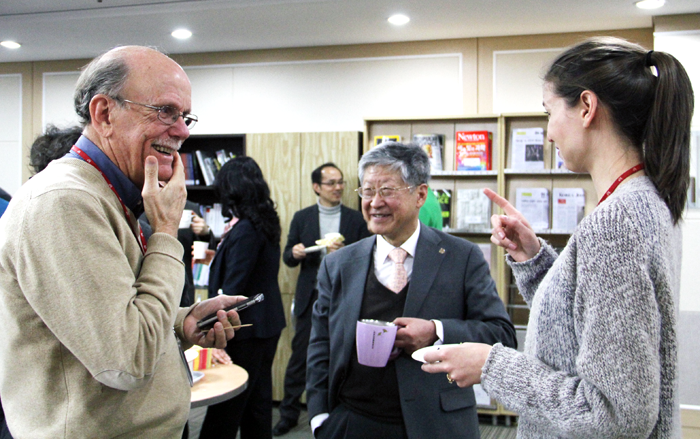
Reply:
x=67, y=29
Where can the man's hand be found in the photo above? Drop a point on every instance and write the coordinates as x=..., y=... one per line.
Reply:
x=298, y=251
x=414, y=334
x=164, y=205
x=222, y=330
x=335, y=245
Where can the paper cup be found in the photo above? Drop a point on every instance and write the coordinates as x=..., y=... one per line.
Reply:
x=200, y=249
x=374, y=340
x=186, y=219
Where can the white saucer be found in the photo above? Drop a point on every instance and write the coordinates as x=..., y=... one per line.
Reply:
x=418, y=355
x=315, y=248
x=196, y=376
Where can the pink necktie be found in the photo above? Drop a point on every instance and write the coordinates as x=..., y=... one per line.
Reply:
x=400, y=279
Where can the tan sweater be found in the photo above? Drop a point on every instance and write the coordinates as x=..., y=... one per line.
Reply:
x=88, y=349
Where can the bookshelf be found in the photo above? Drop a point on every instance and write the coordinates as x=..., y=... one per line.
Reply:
x=503, y=178
x=206, y=146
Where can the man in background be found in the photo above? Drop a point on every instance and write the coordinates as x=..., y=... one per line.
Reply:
x=328, y=215
x=89, y=307
x=435, y=287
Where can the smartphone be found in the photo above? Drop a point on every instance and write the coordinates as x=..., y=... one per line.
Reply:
x=208, y=321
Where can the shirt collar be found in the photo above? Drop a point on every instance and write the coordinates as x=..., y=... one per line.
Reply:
x=127, y=190
x=383, y=247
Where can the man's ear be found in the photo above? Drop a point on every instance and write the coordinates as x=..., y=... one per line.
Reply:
x=422, y=191
x=101, y=107
x=317, y=188
x=589, y=107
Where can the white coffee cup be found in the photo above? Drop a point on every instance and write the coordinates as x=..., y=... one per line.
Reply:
x=186, y=219
x=200, y=249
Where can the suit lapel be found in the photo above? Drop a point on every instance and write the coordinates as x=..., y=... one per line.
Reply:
x=314, y=224
x=353, y=275
x=426, y=264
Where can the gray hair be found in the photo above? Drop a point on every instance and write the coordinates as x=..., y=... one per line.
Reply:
x=409, y=159
x=102, y=76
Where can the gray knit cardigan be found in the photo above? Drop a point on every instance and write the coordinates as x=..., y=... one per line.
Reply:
x=600, y=352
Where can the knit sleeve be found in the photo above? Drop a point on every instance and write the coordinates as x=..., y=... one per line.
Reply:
x=613, y=389
x=529, y=274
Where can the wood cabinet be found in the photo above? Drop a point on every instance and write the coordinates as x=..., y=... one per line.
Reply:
x=503, y=179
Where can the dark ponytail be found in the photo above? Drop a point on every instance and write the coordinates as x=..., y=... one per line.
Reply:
x=653, y=112
x=667, y=136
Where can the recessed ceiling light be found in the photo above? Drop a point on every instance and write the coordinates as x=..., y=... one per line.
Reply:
x=10, y=44
x=398, y=19
x=181, y=34
x=650, y=4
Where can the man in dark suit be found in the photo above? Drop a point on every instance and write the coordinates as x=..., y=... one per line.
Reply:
x=309, y=225
x=439, y=292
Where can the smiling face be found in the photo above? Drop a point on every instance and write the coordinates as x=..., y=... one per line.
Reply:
x=329, y=195
x=394, y=218
x=565, y=129
x=136, y=132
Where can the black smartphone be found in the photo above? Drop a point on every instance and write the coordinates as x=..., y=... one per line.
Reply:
x=208, y=321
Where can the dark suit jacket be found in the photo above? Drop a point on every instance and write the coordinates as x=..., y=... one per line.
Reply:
x=305, y=228
x=246, y=263
x=451, y=283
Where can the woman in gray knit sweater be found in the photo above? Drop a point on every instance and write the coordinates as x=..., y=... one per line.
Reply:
x=600, y=353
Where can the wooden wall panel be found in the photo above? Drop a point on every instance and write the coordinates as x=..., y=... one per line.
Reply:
x=278, y=156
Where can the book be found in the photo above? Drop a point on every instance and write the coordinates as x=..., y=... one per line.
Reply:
x=381, y=139
x=210, y=162
x=444, y=197
x=473, y=151
x=558, y=162
x=433, y=146
x=533, y=203
x=473, y=210
x=568, y=206
x=527, y=149
x=188, y=162
x=486, y=250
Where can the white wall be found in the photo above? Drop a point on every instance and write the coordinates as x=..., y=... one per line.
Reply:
x=11, y=132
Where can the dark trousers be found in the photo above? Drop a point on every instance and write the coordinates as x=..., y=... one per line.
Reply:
x=295, y=375
x=345, y=424
x=252, y=409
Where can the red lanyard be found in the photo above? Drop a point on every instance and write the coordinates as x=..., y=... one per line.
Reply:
x=620, y=179
x=139, y=234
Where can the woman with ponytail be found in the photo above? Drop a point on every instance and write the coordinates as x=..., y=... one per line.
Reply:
x=247, y=263
x=600, y=356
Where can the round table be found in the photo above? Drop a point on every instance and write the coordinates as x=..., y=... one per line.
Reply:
x=221, y=382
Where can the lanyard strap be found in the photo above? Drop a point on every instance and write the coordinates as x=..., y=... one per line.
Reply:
x=138, y=234
x=620, y=179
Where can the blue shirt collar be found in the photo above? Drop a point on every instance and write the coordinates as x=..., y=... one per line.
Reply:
x=127, y=190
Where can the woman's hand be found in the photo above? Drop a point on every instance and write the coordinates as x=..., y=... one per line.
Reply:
x=207, y=260
x=512, y=231
x=462, y=364
x=219, y=356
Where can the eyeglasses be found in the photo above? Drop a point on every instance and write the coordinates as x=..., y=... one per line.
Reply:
x=368, y=193
x=167, y=114
x=333, y=183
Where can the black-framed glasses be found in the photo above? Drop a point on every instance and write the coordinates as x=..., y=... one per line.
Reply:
x=332, y=183
x=167, y=114
x=368, y=193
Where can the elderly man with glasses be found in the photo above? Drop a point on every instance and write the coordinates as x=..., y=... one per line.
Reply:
x=328, y=215
x=435, y=287
x=90, y=317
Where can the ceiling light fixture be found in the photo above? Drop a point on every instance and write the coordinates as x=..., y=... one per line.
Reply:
x=650, y=4
x=398, y=19
x=10, y=44
x=181, y=34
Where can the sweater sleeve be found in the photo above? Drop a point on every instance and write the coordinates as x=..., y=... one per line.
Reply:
x=529, y=274
x=111, y=307
x=613, y=389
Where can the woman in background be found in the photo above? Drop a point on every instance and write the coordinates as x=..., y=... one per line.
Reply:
x=247, y=263
x=600, y=356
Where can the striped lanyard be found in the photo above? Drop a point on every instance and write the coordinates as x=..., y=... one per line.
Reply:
x=137, y=233
x=620, y=179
